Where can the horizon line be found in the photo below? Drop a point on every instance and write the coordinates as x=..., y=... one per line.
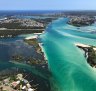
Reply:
x=45, y=10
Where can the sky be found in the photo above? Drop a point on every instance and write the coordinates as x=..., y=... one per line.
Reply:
x=47, y=4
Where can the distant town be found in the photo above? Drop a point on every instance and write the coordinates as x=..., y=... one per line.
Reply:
x=81, y=20
x=12, y=26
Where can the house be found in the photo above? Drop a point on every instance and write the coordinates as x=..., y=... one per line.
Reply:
x=28, y=85
x=30, y=89
x=15, y=84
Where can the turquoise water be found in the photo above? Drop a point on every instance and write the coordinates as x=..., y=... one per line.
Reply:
x=70, y=70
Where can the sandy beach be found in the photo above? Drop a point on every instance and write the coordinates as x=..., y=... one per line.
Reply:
x=32, y=37
x=84, y=45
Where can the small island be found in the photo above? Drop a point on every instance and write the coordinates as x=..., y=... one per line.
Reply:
x=89, y=53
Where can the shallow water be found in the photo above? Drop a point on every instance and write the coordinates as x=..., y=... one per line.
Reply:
x=70, y=71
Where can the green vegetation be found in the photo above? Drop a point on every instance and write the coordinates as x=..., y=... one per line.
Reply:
x=31, y=60
x=91, y=56
x=18, y=58
x=34, y=42
x=16, y=32
x=13, y=78
x=17, y=25
x=81, y=21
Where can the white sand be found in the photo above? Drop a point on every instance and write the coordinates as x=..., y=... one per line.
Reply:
x=32, y=37
x=82, y=45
